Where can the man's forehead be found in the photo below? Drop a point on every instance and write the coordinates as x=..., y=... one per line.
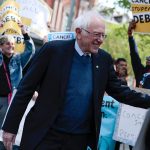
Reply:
x=97, y=27
x=123, y=62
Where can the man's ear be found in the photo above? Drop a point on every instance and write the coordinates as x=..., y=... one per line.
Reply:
x=78, y=33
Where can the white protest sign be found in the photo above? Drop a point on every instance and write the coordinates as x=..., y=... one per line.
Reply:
x=40, y=14
x=61, y=36
x=129, y=123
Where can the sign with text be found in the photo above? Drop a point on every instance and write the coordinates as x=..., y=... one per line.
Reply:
x=9, y=14
x=109, y=113
x=141, y=15
x=40, y=14
x=128, y=124
x=61, y=36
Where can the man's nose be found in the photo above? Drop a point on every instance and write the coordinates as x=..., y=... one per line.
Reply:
x=100, y=39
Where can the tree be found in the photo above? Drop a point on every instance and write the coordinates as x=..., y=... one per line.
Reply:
x=117, y=43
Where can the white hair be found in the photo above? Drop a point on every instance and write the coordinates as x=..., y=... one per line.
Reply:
x=85, y=19
x=6, y=38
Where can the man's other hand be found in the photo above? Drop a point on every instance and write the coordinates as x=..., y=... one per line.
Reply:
x=8, y=140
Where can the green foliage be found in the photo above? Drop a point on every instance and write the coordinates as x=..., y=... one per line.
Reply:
x=117, y=45
x=124, y=3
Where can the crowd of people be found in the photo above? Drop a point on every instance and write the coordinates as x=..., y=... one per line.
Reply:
x=71, y=78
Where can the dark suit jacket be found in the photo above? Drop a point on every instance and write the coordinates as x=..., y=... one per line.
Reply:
x=138, y=68
x=50, y=68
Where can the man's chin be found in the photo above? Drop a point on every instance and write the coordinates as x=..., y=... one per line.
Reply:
x=95, y=51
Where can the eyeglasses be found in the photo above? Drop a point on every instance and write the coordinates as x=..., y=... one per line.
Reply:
x=96, y=34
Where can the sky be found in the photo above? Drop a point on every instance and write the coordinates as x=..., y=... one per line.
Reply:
x=110, y=4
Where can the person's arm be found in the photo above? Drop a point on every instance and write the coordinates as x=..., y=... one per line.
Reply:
x=29, y=50
x=123, y=93
x=137, y=65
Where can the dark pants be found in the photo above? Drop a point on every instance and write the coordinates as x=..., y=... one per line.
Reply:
x=3, y=108
x=55, y=140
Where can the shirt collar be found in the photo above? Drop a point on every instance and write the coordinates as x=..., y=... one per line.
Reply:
x=79, y=51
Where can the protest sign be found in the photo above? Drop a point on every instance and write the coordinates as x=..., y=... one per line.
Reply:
x=141, y=15
x=109, y=113
x=39, y=12
x=61, y=36
x=128, y=124
x=9, y=14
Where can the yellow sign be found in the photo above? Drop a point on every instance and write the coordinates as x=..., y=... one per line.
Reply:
x=140, y=8
x=11, y=27
x=26, y=21
x=141, y=15
x=9, y=13
x=19, y=45
x=9, y=6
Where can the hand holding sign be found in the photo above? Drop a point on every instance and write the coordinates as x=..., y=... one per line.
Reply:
x=132, y=26
x=141, y=15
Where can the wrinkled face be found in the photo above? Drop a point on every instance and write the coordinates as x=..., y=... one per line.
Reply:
x=121, y=68
x=91, y=38
x=8, y=48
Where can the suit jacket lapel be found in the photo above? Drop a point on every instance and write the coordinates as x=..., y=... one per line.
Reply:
x=96, y=70
x=98, y=74
x=98, y=87
x=67, y=62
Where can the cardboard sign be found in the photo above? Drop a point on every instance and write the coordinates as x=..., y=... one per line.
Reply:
x=61, y=36
x=129, y=123
x=141, y=15
x=39, y=12
x=9, y=12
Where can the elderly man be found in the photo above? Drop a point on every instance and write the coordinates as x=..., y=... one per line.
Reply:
x=72, y=77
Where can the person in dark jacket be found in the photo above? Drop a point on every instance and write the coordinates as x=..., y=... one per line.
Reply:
x=122, y=74
x=73, y=76
x=145, y=82
x=121, y=70
x=138, y=68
